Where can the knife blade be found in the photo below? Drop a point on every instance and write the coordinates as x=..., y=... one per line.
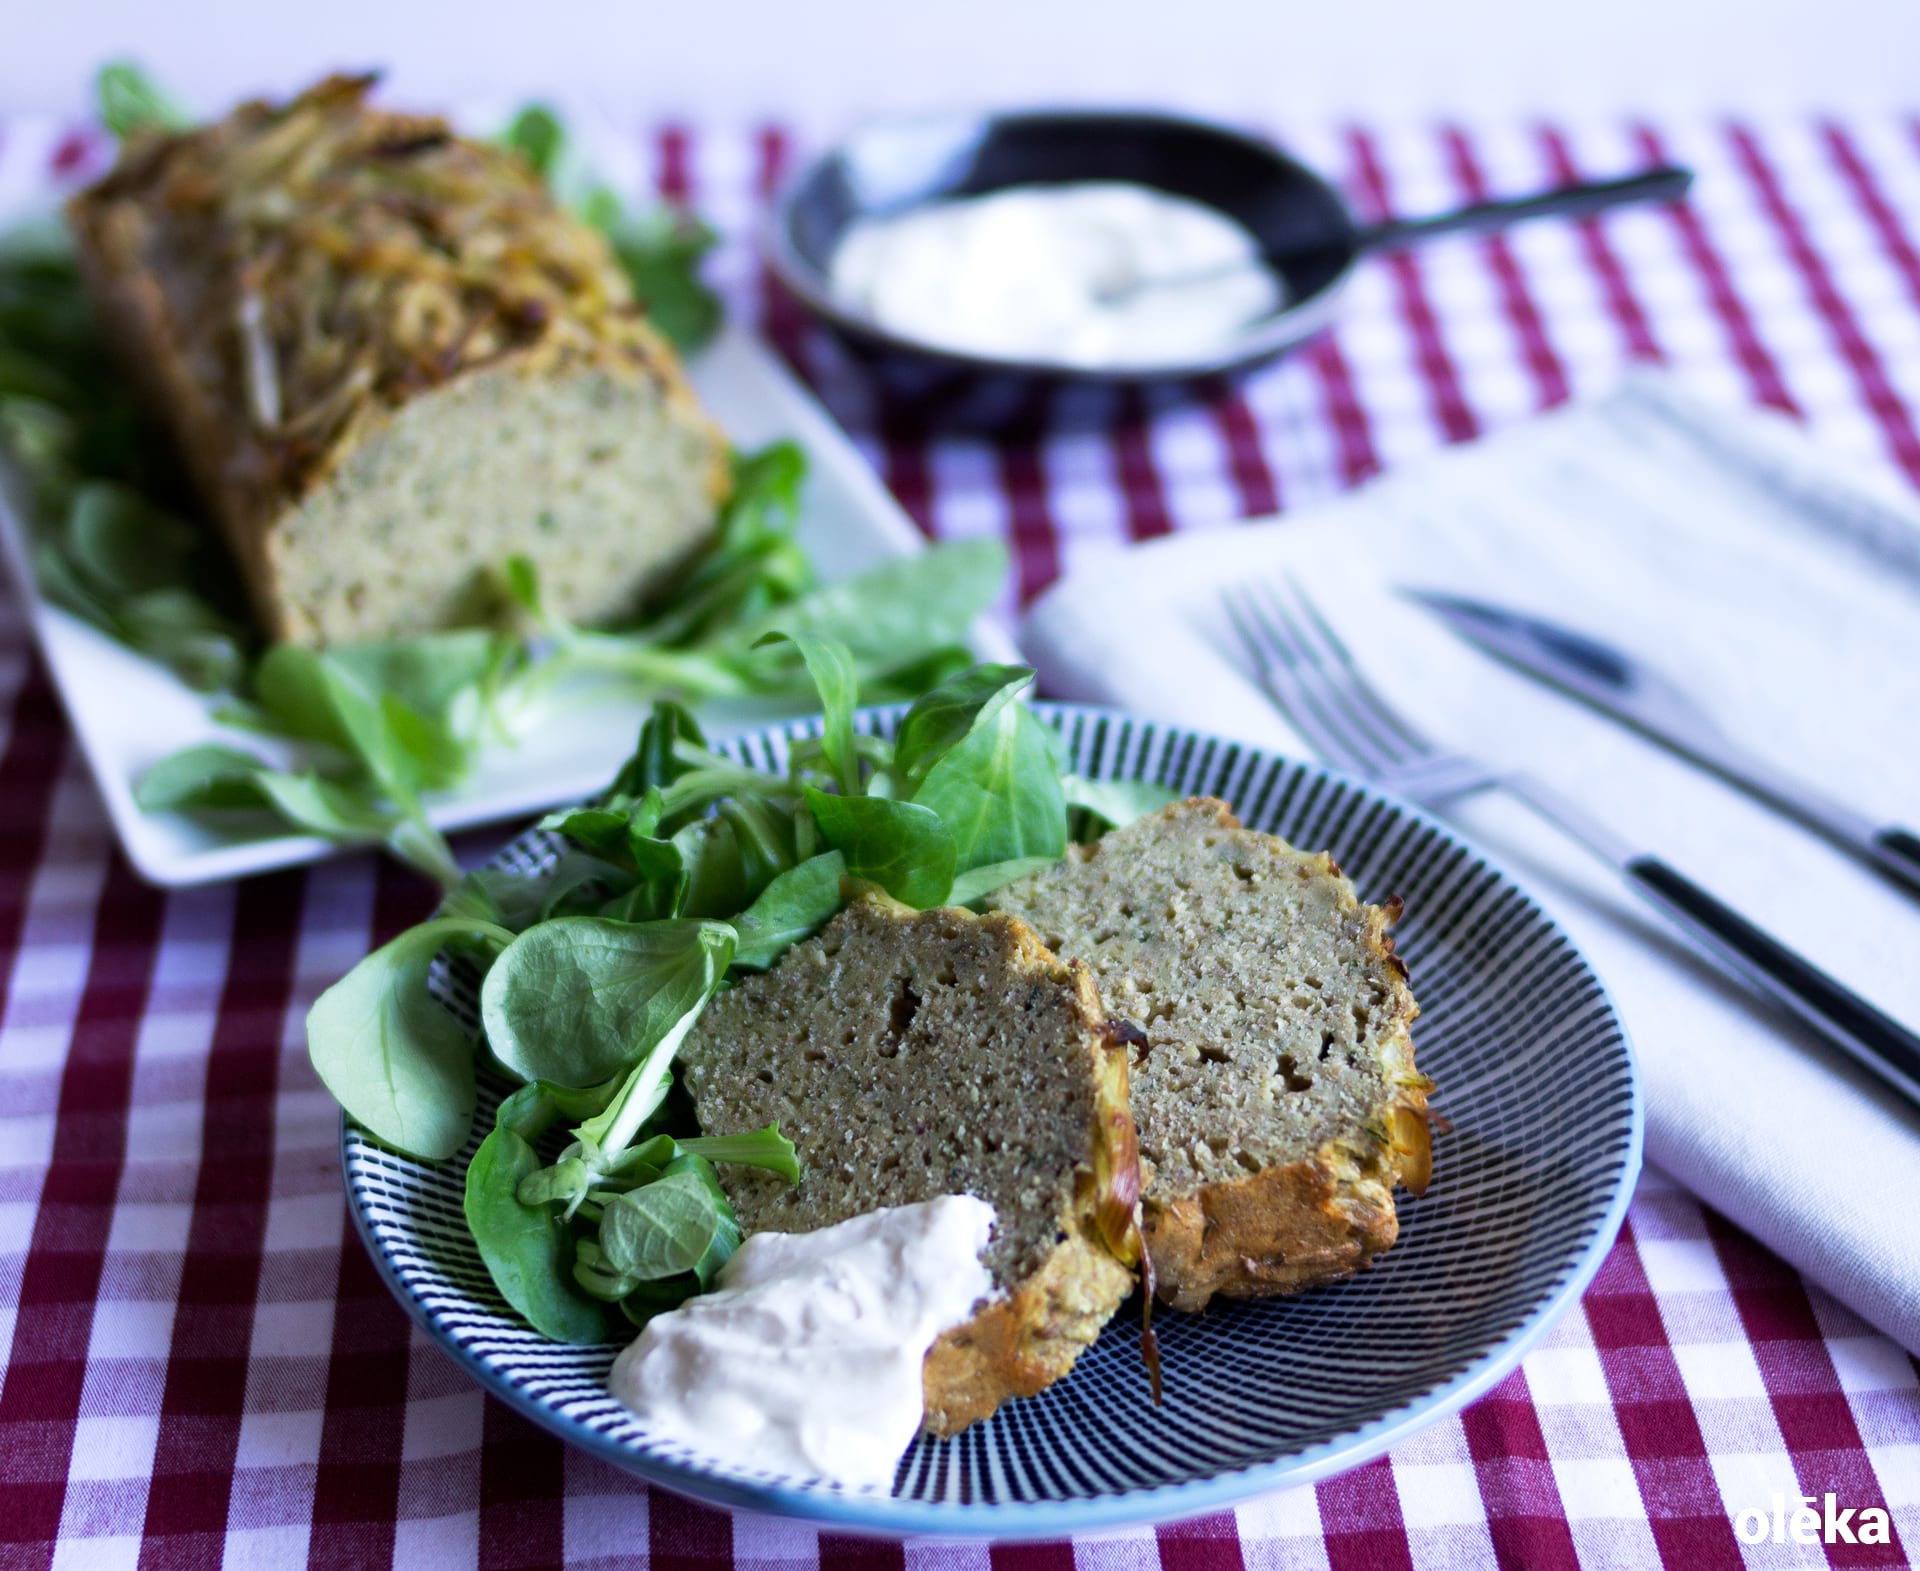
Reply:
x=1626, y=688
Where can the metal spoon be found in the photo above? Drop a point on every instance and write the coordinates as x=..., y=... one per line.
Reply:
x=1666, y=183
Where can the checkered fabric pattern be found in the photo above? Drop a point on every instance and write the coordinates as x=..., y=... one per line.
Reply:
x=197, y=1363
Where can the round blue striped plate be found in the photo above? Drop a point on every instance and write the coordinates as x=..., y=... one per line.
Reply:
x=1536, y=1080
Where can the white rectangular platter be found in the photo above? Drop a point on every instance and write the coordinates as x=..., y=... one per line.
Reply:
x=128, y=712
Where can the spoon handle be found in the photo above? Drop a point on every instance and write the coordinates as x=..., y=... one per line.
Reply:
x=1664, y=184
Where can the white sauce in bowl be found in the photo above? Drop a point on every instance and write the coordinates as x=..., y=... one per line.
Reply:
x=1046, y=273
x=806, y=1357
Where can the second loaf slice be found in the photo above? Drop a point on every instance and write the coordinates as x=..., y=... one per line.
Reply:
x=1276, y=1094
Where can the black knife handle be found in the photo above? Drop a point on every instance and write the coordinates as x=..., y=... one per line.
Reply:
x=1898, y=851
x=1840, y=1015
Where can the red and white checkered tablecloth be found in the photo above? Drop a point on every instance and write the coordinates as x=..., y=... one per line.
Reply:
x=199, y=1364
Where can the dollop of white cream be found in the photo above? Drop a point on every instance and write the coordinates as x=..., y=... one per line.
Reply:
x=1050, y=272
x=806, y=1357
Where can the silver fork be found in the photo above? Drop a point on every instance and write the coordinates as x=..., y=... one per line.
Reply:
x=1315, y=682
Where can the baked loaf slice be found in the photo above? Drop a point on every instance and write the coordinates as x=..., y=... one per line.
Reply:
x=910, y=1055
x=390, y=361
x=1276, y=1094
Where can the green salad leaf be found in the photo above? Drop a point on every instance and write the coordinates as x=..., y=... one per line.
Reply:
x=204, y=778
x=538, y=135
x=527, y=1247
x=795, y=906
x=103, y=550
x=904, y=847
x=726, y=1238
x=323, y=807
x=764, y=1148
x=130, y=102
x=1113, y=804
x=573, y=999
x=400, y=1065
x=998, y=792
x=978, y=882
x=837, y=681
x=445, y=677
x=940, y=720
x=894, y=615
x=661, y=1229
x=660, y=251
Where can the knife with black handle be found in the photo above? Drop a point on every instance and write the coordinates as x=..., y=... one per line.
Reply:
x=1620, y=685
x=1871, y=1037
x=1876, y=1040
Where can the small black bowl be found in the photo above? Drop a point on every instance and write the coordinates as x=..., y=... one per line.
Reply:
x=1303, y=229
x=1297, y=218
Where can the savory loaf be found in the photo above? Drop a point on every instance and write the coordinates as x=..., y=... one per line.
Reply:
x=390, y=361
x=910, y=1055
x=1276, y=1094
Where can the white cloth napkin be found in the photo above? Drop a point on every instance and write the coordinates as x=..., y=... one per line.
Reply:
x=1784, y=593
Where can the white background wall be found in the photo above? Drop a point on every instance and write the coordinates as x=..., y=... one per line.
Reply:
x=831, y=59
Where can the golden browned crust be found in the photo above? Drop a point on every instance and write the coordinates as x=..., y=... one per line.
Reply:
x=1281, y=1230
x=281, y=282
x=1272, y=1232
x=133, y=309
